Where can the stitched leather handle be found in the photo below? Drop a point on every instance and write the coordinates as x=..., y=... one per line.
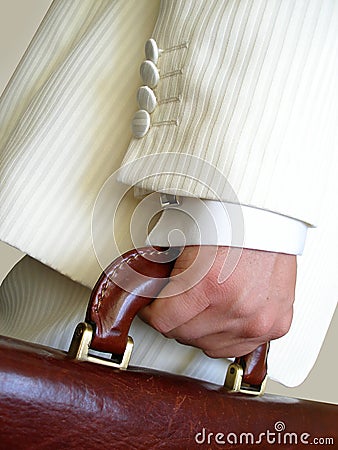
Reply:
x=143, y=273
x=128, y=284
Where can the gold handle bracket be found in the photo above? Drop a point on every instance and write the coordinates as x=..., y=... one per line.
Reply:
x=234, y=382
x=79, y=349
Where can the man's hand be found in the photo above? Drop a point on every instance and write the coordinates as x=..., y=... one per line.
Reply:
x=252, y=306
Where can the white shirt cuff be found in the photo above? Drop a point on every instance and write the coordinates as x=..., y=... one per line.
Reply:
x=206, y=222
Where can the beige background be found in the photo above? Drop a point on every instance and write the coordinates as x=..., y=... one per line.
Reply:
x=18, y=21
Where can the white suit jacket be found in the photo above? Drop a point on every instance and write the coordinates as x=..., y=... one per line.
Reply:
x=248, y=87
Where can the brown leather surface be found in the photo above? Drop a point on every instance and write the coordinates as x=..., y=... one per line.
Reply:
x=49, y=402
x=128, y=284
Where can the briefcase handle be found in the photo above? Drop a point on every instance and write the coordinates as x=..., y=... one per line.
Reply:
x=128, y=284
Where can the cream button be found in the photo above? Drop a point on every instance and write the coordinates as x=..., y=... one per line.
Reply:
x=140, y=123
x=152, y=51
x=146, y=99
x=149, y=74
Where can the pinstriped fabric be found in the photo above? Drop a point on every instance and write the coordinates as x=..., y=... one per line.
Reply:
x=62, y=134
x=316, y=295
x=40, y=305
x=258, y=100
x=60, y=31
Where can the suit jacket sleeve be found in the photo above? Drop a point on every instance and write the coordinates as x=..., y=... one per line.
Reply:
x=248, y=89
x=64, y=129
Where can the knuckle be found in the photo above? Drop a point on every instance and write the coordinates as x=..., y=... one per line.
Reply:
x=247, y=310
x=210, y=292
x=282, y=327
x=160, y=324
x=258, y=326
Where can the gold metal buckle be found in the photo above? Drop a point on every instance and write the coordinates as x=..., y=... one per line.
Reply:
x=79, y=348
x=234, y=382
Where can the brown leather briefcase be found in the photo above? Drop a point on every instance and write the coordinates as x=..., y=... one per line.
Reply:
x=50, y=399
